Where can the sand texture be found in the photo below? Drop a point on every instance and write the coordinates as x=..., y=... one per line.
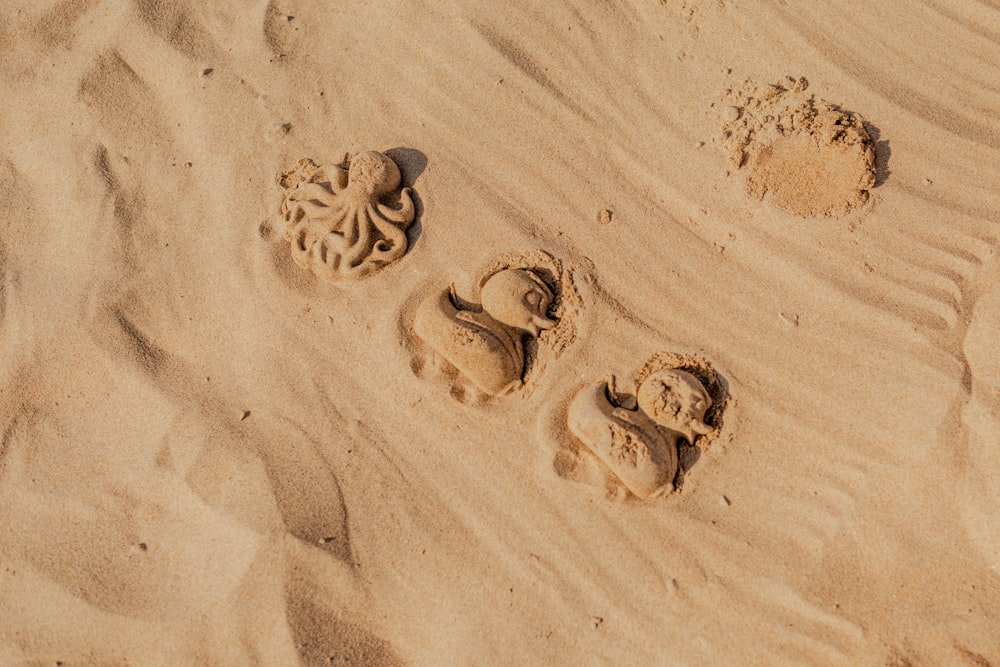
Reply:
x=296, y=298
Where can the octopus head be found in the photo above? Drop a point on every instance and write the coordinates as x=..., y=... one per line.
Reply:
x=519, y=299
x=373, y=174
x=677, y=400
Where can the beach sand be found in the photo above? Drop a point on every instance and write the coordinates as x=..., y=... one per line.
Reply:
x=213, y=455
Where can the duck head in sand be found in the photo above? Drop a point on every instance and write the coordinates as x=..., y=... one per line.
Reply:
x=519, y=299
x=676, y=400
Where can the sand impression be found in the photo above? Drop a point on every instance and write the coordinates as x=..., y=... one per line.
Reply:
x=809, y=157
x=336, y=217
x=643, y=456
x=527, y=303
x=486, y=345
x=638, y=442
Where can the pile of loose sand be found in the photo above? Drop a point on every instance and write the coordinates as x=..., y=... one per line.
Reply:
x=811, y=157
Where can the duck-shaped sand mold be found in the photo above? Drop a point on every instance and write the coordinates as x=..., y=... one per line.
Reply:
x=630, y=442
x=487, y=346
x=337, y=218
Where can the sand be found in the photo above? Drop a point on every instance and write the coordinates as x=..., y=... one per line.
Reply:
x=216, y=452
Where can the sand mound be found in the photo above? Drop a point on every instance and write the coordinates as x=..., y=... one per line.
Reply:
x=812, y=157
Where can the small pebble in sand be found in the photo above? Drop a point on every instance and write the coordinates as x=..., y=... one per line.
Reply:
x=605, y=216
x=791, y=319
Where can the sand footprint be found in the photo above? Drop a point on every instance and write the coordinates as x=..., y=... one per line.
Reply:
x=488, y=349
x=348, y=220
x=280, y=31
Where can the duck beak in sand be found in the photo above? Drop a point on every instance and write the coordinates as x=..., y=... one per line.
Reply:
x=541, y=323
x=700, y=427
x=696, y=426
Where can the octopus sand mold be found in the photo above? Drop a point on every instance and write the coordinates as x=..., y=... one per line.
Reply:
x=337, y=220
x=487, y=346
x=630, y=442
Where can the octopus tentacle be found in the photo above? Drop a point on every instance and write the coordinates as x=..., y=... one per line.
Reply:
x=334, y=216
x=302, y=241
x=362, y=246
x=317, y=213
x=328, y=252
x=402, y=215
x=328, y=246
x=335, y=175
x=313, y=192
x=298, y=235
x=393, y=243
x=349, y=227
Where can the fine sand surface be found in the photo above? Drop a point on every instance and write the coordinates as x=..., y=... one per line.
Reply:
x=211, y=455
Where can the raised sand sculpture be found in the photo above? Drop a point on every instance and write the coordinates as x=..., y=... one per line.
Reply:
x=640, y=446
x=487, y=345
x=338, y=218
